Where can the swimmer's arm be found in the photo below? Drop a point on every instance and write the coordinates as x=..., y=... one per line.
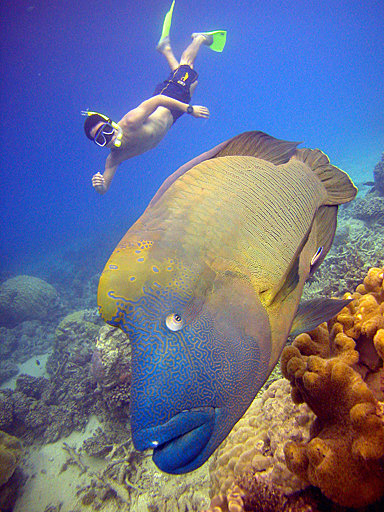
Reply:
x=141, y=113
x=101, y=182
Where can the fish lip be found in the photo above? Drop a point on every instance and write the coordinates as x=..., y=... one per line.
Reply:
x=178, y=425
x=179, y=441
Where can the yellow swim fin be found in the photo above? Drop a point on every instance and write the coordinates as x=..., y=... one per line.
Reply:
x=167, y=24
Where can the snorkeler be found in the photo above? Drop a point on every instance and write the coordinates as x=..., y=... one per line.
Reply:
x=144, y=127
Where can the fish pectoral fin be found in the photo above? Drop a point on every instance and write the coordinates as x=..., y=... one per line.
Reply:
x=285, y=287
x=312, y=313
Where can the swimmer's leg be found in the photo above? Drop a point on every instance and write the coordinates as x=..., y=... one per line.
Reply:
x=164, y=47
x=190, y=53
x=193, y=87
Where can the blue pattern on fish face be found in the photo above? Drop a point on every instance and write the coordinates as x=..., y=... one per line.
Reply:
x=200, y=379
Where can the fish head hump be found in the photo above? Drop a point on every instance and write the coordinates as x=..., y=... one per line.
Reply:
x=200, y=350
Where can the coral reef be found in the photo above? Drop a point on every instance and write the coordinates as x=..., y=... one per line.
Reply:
x=356, y=248
x=250, y=494
x=378, y=174
x=231, y=502
x=46, y=409
x=337, y=369
x=80, y=383
x=22, y=342
x=11, y=451
x=111, y=370
x=74, y=340
x=256, y=442
x=43, y=409
x=25, y=298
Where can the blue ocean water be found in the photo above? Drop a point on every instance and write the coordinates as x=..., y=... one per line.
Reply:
x=299, y=70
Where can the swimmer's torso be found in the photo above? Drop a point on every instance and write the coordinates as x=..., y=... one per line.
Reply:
x=146, y=136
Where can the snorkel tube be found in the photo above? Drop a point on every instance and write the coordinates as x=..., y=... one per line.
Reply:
x=119, y=136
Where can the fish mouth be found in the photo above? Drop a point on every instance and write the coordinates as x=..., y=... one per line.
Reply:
x=178, y=443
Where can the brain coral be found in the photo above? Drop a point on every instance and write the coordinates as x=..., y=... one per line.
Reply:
x=337, y=369
x=25, y=298
x=11, y=452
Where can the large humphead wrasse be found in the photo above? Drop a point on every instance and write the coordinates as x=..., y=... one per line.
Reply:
x=207, y=284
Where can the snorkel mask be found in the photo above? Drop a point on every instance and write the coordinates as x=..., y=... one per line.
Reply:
x=106, y=131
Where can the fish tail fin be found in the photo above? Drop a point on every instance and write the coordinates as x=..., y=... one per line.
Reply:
x=259, y=145
x=339, y=186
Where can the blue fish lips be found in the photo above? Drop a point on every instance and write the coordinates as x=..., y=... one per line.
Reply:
x=180, y=443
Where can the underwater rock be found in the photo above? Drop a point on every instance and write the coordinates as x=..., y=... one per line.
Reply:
x=74, y=340
x=370, y=209
x=44, y=410
x=337, y=369
x=6, y=411
x=11, y=451
x=8, y=369
x=25, y=298
x=256, y=442
x=24, y=341
x=111, y=370
x=378, y=174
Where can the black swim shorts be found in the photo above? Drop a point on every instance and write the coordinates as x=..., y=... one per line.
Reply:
x=177, y=86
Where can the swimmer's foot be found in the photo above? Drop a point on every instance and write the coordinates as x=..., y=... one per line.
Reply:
x=163, y=44
x=215, y=39
x=208, y=38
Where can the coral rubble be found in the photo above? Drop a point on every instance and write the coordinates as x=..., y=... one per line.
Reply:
x=337, y=369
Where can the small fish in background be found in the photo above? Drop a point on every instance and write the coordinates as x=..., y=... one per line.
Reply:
x=38, y=362
x=207, y=284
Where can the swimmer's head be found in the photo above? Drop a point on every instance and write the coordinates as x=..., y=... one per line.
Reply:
x=101, y=129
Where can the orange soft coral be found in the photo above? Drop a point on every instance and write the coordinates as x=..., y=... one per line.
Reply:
x=338, y=371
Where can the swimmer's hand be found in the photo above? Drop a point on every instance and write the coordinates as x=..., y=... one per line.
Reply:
x=200, y=111
x=98, y=183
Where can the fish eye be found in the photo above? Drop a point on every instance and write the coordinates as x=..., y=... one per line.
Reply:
x=174, y=322
x=316, y=256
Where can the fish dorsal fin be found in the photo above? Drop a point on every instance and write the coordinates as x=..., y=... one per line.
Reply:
x=259, y=145
x=256, y=144
x=337, y=183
